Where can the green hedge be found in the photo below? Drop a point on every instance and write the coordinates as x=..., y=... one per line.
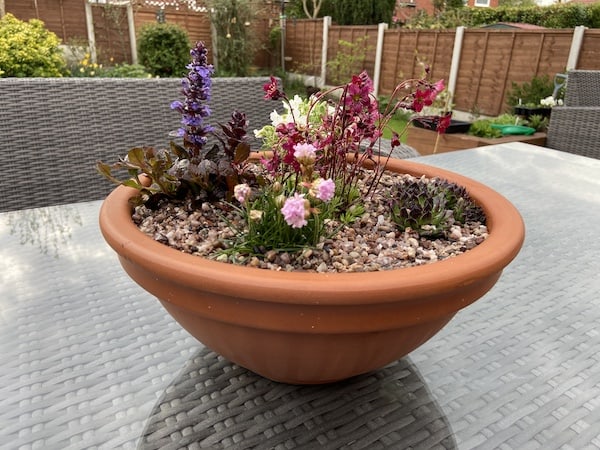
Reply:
x=564, y=15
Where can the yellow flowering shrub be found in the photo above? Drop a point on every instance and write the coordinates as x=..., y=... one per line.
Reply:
x=28, y=49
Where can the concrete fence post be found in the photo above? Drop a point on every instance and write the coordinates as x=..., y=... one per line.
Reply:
x=326, y=26
x=132, y=37
x=89, y=22
x=378, y=57
x=575, y=49
x=455, y=64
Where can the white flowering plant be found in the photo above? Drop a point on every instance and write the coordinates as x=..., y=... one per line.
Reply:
x=550, y=101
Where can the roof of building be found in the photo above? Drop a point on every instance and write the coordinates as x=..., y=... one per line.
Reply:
x=521, y=26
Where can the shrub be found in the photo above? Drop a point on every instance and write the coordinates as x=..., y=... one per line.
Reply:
x=28, y=49
x=348, y=59
x=126, y=71
x=530, y=93
x=163, y=49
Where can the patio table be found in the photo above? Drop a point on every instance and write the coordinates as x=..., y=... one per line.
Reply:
x=90, y=360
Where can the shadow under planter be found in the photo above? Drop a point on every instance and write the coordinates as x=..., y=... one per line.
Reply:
x=216, y=404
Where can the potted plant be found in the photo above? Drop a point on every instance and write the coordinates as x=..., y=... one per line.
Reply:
x=438, y=116
x=317, y=260
x=534, y=98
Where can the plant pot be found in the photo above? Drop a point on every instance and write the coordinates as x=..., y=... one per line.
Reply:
x=528, y=111
x=431, y=123
x=307, y=328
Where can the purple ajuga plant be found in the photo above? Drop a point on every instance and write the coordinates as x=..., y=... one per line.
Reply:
x=194, y=110
x=191, y=169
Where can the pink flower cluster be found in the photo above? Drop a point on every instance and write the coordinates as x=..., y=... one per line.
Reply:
x=296, y=210
x=425, y=95
x=336, y=144
x=241, y=192
x=324, y=190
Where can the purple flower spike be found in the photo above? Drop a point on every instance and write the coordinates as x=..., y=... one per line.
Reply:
x=194, y=111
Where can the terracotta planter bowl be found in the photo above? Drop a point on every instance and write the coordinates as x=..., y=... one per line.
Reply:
x=309, y=328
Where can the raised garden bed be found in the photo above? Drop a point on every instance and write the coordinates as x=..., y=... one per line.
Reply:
x=424, y=140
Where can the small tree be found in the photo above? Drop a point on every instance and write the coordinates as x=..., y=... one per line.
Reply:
x=235, y=45
x=348, y=60
x=312, y=11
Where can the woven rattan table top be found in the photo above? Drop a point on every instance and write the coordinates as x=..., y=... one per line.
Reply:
x=89, y=360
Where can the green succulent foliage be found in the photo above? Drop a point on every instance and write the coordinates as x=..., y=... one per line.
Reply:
x=431, y=207
x=483, y=128
x=271, y=232
x=164, y=49
x=28, y=49
x=539, y=122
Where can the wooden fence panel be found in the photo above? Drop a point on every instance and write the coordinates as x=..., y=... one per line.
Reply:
x=196, y=24
x=365, y=38
x=589, y=57
x=483, y=71
x=492, y=60
x=406, y=53
x=305, y=53
x=65, y=18
x=111, y=32
x=399, y=59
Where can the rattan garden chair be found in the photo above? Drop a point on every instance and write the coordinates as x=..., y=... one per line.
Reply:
x=53, y=130
x=574, y=127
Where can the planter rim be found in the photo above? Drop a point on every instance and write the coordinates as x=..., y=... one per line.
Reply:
x=506, y=234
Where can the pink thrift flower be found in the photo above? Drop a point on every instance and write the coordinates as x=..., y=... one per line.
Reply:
x=294, y=211
x=241, y=192
x=305, y=152
x=324, y=189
